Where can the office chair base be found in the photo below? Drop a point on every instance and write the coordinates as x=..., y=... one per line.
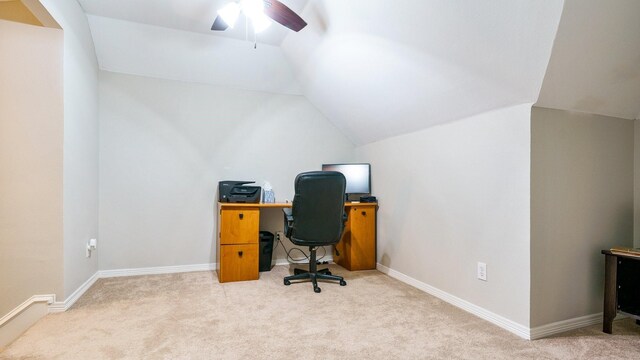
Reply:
x=314, y=277
x=297, y=271
x=313, y=273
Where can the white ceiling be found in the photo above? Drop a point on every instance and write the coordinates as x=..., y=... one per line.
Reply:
x=377, y=69
x=189, y=15
x=147, y=50
x=595, y=66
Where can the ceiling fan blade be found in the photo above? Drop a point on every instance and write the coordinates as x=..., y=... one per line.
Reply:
x=219, y=24
x=282, y=14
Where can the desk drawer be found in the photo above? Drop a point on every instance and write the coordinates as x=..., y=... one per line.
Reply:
x=239, y=226
x=238, y=263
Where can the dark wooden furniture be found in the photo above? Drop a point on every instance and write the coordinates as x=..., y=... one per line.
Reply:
x=621, y=287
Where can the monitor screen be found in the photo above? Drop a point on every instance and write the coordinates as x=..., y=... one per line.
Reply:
x=358, y=176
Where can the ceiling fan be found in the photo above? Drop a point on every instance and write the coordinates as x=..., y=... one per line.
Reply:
x=260, y=13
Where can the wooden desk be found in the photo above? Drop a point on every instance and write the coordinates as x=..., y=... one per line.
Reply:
x=357, y=248
x=237, y=258
x=621, y=287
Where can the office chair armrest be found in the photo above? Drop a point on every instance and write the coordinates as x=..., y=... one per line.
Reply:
x=288, y=221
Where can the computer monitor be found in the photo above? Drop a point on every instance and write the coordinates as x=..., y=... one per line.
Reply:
x=358, y=177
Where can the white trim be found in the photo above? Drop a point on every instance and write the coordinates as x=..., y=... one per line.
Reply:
x=62, y=306
x=68, y=302
x=156, y=270
x=511, y=326
x=565, y=325
x=49, y=298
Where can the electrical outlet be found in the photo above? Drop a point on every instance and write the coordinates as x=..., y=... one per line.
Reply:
x=91, y=245
x=482, y=271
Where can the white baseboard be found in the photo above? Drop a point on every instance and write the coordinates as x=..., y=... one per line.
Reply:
x=48, y=298
x=102, y=274
x=511, y=326
x=12, y=328
x=156, y=270
x=20, y=324
x=565, y=325
x=23, y=316
x=68, y=302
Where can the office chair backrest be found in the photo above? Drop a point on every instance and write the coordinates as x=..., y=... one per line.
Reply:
x=318, y=208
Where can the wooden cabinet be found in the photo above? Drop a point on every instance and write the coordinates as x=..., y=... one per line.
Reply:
x=357, y=248
x=238, y=242
x=239, y=262
x=237, y=256
x=239, y=226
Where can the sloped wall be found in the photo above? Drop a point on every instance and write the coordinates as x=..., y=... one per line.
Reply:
x=378, y=70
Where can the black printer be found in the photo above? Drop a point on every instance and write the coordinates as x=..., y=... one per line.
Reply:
x=238, y=192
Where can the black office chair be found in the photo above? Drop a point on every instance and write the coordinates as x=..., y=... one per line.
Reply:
x=316, y=219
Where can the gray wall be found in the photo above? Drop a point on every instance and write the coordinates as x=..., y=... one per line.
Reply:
x=80, y=190
x=31, y=138
x=454, y=195
x=581, y=203
x=164, y=145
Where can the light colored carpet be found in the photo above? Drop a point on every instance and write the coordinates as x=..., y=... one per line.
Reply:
x=192, y=316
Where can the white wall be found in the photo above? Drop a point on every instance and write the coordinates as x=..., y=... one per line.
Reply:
x=164, y=145
x=581, y=203
x=453, y=195
x=80, y=142
x=31, y=132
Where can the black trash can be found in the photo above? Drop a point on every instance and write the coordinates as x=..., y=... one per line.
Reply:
x=266, y=250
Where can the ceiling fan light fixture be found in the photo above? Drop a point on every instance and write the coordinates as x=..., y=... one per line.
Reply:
x=229, y=13
x=260, y=22
x=252, y=8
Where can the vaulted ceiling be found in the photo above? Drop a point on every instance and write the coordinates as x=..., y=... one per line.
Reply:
x=378, y=69
x=595, y=64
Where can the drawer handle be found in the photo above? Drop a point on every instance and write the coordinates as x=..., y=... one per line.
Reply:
x=364, y=213
x=240, y=253
x=241, y=216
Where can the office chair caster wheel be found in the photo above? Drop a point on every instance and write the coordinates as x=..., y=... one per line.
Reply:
x=287, y=282
x=343, y=283
x=317, y=289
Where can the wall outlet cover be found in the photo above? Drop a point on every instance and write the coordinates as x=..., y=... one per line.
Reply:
x=482, y=271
